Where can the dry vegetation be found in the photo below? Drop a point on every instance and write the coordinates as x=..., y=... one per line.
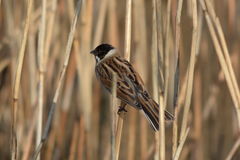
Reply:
x=52, y=106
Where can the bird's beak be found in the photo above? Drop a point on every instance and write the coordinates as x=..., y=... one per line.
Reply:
x=92, y=52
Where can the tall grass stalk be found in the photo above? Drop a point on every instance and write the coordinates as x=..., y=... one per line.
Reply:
x=195, y=35
x=14, y=145
x=141, y=52
x=166, y=53
x=60, y=81
x=154, y=67
x=163, y=97
x=181, y=143
x=49, y=33
x=233, y=150
x=41, y=62
x=113, y=116
x=127, y=51
x=162, y=148
x=221, y=51
x=176, y=53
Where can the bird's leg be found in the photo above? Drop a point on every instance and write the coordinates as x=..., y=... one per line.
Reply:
x=122, y=108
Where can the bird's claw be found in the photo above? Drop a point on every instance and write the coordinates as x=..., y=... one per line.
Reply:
x=121, y=109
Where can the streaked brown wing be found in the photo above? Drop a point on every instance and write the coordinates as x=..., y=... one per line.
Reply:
x=130, y=88
x=127, y=78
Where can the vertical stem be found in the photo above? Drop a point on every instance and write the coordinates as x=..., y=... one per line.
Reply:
x=233, y=150
x=191, y=69
x=219, y=52
x=154, y=52
x=223, y=53
x=50, y=27
x=128, y=25
x=177, y=44
x=181, y=143
x=166, y=52
x=127, y=50
x=17, y=84
x=41, y=57
x=131, y=145
x=164, y=95
x=175, y=132
x=119, y=134
x=154, y=60
x=161, y=130
x=60, y=81
x=113, y=116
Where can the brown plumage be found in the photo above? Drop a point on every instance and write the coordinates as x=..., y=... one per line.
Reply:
x=130, y=87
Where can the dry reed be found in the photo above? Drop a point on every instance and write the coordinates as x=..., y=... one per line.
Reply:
x=14, y=145
x=224, y=61
x=154, y=61
x=177, y=44
x=113, y=117
x=127, y=51
x=180, y=146
x=234, y=149
x=41, y=63
x=59, y=85
x=190, y=70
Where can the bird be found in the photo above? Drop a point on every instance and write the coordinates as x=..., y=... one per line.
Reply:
x=130, y=88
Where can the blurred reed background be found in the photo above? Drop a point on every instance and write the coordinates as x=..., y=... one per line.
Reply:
x=204, y=34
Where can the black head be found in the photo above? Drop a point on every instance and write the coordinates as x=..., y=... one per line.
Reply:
x=100, y=51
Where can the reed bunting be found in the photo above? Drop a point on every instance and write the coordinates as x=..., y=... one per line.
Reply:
x=130, y=87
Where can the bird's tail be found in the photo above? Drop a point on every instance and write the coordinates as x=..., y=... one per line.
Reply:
x=151, y=111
